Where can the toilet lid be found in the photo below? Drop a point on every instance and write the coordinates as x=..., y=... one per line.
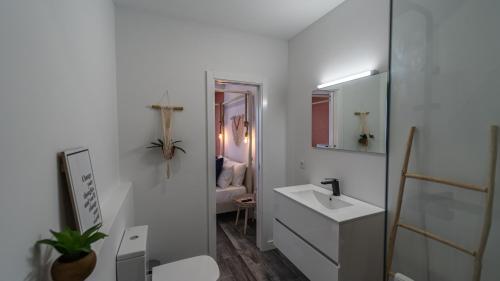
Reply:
x=200, y=268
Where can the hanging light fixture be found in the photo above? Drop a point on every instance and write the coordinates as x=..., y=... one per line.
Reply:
x=246, y=119
x=246, y=134
x=221, y=120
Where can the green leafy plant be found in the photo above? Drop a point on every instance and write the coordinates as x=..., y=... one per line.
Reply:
x=73, y=245
x=160, y=144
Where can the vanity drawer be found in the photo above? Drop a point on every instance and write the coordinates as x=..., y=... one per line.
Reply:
x=318, y=230
x=312, y=263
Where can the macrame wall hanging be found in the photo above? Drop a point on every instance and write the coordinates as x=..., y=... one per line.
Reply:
x=238, y=127
x=365, y=134
x=167, y=144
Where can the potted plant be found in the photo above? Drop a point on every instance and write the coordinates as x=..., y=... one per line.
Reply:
x=77, y=260
x=363, y=139
x=173, y=146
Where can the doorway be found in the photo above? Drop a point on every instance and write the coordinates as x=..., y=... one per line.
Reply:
x=234, y=116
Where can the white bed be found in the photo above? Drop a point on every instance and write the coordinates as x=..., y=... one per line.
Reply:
x=225, y=196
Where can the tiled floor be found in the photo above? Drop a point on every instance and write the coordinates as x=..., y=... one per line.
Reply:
x=239, y=258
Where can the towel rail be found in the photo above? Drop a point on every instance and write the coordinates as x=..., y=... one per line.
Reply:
x=436, y=238
x=447, y=182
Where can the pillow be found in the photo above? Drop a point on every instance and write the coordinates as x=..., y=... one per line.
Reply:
x=225, y=177
x=218, y=167
x=227, y=161
x=239, y=170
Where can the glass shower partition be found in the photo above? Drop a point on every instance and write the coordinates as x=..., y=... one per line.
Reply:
x=445, y=80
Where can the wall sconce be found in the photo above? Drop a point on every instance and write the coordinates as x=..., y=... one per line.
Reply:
x=348, y=78
x=245, y=140
x=221, y=120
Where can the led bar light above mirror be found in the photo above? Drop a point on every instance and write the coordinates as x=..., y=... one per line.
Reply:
x=348, y=78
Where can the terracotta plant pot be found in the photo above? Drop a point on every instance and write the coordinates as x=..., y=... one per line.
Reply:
x=74, y=271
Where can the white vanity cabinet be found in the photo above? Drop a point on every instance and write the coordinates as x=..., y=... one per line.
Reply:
x=336, y=240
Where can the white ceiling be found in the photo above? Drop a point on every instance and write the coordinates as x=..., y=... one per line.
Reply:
x=276, y=18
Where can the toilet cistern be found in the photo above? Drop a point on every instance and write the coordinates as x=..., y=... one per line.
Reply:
x=132, y=258
x=335, y=185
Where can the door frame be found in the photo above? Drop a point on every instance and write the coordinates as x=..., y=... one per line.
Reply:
x=211, y=77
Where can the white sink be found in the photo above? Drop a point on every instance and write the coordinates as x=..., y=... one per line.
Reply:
x=315, y=197
x=338, y=208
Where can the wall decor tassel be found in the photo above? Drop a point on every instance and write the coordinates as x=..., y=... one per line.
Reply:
x=166, y=120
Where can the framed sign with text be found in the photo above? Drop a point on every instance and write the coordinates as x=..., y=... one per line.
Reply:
x=77, y=166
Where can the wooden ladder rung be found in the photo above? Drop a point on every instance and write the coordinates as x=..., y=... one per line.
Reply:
x=447, y=182
x=436, y=238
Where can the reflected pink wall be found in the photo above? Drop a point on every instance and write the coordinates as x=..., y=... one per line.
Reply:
x=320, y=116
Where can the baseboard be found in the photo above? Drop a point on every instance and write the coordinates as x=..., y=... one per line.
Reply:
x=269, y=245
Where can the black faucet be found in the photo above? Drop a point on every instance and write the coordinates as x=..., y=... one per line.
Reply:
x=335, y=185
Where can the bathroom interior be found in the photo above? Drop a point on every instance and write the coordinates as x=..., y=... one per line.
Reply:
x=339, y=140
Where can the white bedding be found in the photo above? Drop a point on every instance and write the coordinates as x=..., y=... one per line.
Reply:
x=225, y=195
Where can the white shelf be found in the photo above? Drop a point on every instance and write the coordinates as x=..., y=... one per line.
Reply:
x=110, y=207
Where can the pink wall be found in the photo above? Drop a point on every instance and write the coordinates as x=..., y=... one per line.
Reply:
x=219, y=98
x=320, y=116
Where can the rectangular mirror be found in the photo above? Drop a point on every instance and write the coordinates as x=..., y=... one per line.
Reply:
x=351, y=115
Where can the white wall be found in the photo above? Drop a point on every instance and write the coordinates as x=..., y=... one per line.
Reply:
x=58, y=91
x=158, y=53
x=350, y=39
x=445, y=69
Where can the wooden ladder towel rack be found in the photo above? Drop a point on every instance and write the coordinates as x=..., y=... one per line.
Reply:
x=488, y=189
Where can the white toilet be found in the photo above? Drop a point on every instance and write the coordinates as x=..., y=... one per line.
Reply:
x=132, y=257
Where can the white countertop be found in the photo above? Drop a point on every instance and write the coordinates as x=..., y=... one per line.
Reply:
x=358, y=209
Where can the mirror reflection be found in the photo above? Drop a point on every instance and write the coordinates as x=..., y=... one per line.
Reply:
x=322, y=113
x=351, y=115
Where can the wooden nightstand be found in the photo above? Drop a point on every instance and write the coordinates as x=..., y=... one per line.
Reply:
x=246, y=201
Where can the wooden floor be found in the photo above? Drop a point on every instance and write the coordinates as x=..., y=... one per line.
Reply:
x=239, y=258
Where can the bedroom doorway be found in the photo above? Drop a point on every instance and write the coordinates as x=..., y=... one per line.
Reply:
x=234, y=110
